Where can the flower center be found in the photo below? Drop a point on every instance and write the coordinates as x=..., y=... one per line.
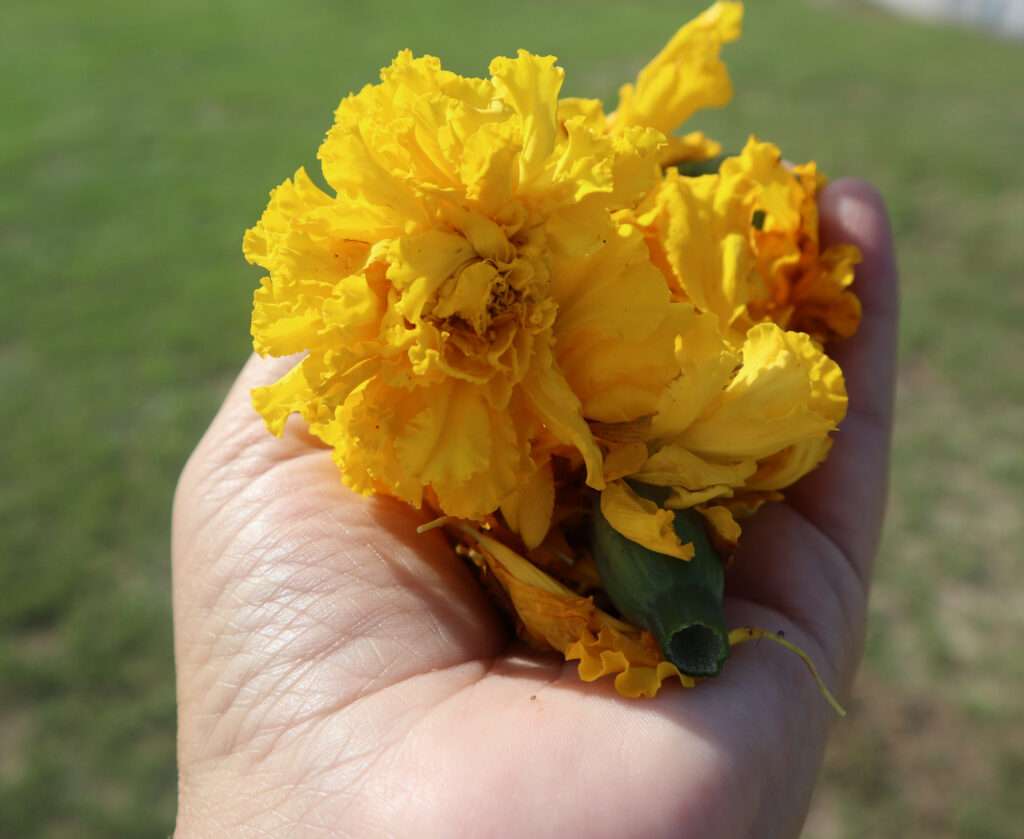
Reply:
x=488, y=310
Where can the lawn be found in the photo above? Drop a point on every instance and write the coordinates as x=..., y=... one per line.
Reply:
x=140, y=140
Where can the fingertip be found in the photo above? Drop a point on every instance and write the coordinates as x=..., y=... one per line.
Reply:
x=853, y=205
x=854, y=212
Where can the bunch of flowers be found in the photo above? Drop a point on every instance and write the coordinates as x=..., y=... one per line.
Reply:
x=588, y=346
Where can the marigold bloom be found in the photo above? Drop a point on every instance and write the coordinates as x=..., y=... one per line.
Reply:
x=464, y=297
x=743, y=244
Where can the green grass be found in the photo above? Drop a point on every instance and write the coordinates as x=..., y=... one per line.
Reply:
x=140, y=139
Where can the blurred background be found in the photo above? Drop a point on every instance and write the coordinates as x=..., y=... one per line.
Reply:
x=140, y=139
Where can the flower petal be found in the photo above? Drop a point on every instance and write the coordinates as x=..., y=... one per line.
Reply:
x=725, y=531
x=706, y=363
x=529, y=84
x=552, y=615
x=624, y=459
x=697, y=229
x=686, y=75
x=787, y=391
x=529, y=508
x=642, y=521
x=616, y=327
x=419, y=264
x=558, y=407
x=276, y=402
x=673, y=465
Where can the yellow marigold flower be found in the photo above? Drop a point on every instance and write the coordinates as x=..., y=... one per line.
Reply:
x=743, y=244
x=465, y=300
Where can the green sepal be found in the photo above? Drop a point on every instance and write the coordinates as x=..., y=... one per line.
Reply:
x=678, y=601
x=696, y=168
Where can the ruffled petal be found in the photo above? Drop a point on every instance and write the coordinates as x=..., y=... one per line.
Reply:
x=642, y=521
x=289, y=203
x=288, y=395
x=706, y=363
x=529, y=84
x=786, y=391
x=419, y=264
x=805, y=288
x=639, y=670
x=686, y=75
x=698, y=232
x=307, y=256
x=553, y=616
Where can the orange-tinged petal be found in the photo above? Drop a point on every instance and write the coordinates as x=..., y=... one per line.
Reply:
x=723, y=525
x=624, y=459
x=639, y=671
x=552, y=615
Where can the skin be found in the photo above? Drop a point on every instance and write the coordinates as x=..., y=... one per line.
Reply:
x=340, y=675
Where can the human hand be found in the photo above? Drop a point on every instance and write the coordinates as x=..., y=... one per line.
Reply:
x=341, y=675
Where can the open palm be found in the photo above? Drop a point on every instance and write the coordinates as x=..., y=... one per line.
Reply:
x=340, y=675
